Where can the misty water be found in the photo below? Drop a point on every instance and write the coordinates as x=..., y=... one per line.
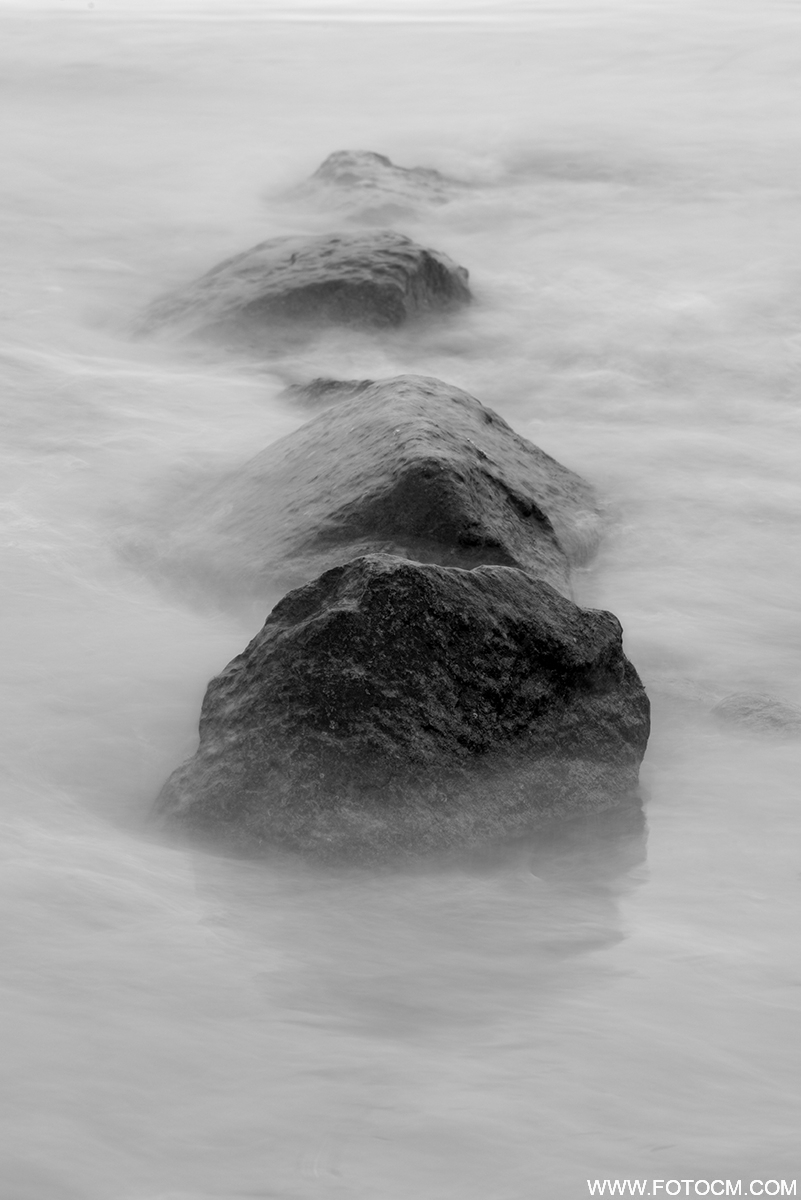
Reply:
x=178, y=1024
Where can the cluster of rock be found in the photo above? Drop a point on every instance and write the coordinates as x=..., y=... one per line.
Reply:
x=428, y=681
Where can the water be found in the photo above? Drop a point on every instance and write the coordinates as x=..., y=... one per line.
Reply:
x=184, y=1027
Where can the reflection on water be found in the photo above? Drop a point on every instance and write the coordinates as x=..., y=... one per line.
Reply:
x=182, y=1026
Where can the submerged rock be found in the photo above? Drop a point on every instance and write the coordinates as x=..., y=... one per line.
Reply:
x=322, y=392
x=391, y=706
x=408, y=466
x=374, y=280
x=370, y=188
x=759, y=714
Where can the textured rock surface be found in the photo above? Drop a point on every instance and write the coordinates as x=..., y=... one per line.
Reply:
x=409, y=466
x=377, y=279
x=759, y=714
x=369, y=188
x=391, y=707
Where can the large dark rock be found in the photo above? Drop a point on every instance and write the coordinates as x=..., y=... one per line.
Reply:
x=378, y=279
x=393, y=707
x=408, y=466
x=368, y=187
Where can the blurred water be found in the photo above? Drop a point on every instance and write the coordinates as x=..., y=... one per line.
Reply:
x=181, y=1027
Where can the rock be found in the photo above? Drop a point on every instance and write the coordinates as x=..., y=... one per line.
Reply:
x=374, y=280
x=409, y=466
x=759, y=714
x=392, y=707
x=370, y=188
x=322, y=392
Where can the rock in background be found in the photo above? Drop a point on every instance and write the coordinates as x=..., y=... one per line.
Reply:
x=393, y=707
x=323, y=391
x=409, y=466
x=369, y=188
x=375, y=279
x=758, y=713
